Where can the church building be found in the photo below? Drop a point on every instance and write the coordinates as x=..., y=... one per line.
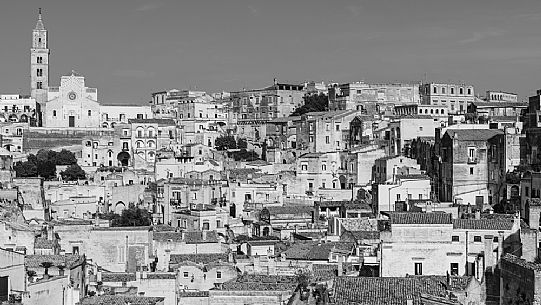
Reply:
x=72, y=104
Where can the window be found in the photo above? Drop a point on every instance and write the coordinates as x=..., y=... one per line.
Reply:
x=185, y=274
x=337, y=127
x=89, y=112
x=461, y=90
x=310, y=139
x=304, y=167
x=75, y=250
x=471, y=170
x=496, y=239
x=469, y=91
x=420, y=128
x=477, y=239
x=420, y=196
x=471, y=152
x=324, y=167
x=40, y=60
x=54, y=112
x=398, y=197
x=327, y=139
x=443, y=90
x=454, y=268
x=455, y=238
x=418, y=268
x=218, y=274
x=39, y=85
x=435, y=90
x=527, y=191
x=39, y=72
x=452, y=90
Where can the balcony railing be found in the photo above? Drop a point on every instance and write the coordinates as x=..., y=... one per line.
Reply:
x=472, y=160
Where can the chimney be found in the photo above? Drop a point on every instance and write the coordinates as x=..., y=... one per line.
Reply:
x=489, y=250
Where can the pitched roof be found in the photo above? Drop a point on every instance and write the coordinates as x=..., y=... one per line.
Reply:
x=168, y=122
x=189, y=237
x=419, y=218
x=252, y=282
x=359, y=224
x=203, y=258
x=383, y=290
x=515, y=260
x=473, y=134
x=316, y=251
x=44, y=243
x=290, y=209
x=117, y=277
x=483, y=224
x=121, y=300
x=68, y=260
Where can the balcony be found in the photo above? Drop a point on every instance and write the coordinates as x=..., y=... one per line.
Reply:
x=472, y=160
x=175, y=202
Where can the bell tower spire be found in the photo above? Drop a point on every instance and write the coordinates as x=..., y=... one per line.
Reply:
x=39, y=61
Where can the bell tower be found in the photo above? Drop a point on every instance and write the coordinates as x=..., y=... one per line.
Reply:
x=39, y=62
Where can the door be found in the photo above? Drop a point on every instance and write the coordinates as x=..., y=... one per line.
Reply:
x=71, y=121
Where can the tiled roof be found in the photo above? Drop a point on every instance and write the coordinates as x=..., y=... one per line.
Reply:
x=322, y=272
x=193, y=294
x=120, y=300
x=474, y=134
x=413, y=176
x=512, y=259
x=44, y=243
x=190, y=237
x=260, y=283
x=483, y=224
x=314, y=251
x=456, y=283
x=383, y=290
x=161, y=275
x=419, y=218
x=290, y=209
x=68, y=260
x=170, y=122
x=365, y=234
x=359, y=224
x=203, y=258
x=117, y=277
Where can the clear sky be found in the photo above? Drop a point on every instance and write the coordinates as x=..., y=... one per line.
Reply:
x=130, y=48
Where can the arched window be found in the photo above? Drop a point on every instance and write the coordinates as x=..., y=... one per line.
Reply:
x=89, y=112
x=151, y=144
x=139, y=144
x=54, y=112
x=150, y=132
x=140, y=132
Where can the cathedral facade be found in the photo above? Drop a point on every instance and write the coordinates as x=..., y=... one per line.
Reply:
x=72, y=104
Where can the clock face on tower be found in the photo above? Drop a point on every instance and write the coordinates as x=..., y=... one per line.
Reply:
x=72, y=96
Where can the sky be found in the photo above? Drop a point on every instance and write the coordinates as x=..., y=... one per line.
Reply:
x=131, y=48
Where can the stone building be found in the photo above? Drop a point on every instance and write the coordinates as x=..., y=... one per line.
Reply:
x=322, y=132
x=72, y=104
x=464, y=168
x=356, y=95
x=500, y=96
x=520, y=281
x=456, y=97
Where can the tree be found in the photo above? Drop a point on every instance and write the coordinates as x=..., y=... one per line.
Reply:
x=73, y=172
x=242, y=144
x=312, y=103
x=25, y=169
x=225, y=142
x=132, y=216
x=65, y=157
